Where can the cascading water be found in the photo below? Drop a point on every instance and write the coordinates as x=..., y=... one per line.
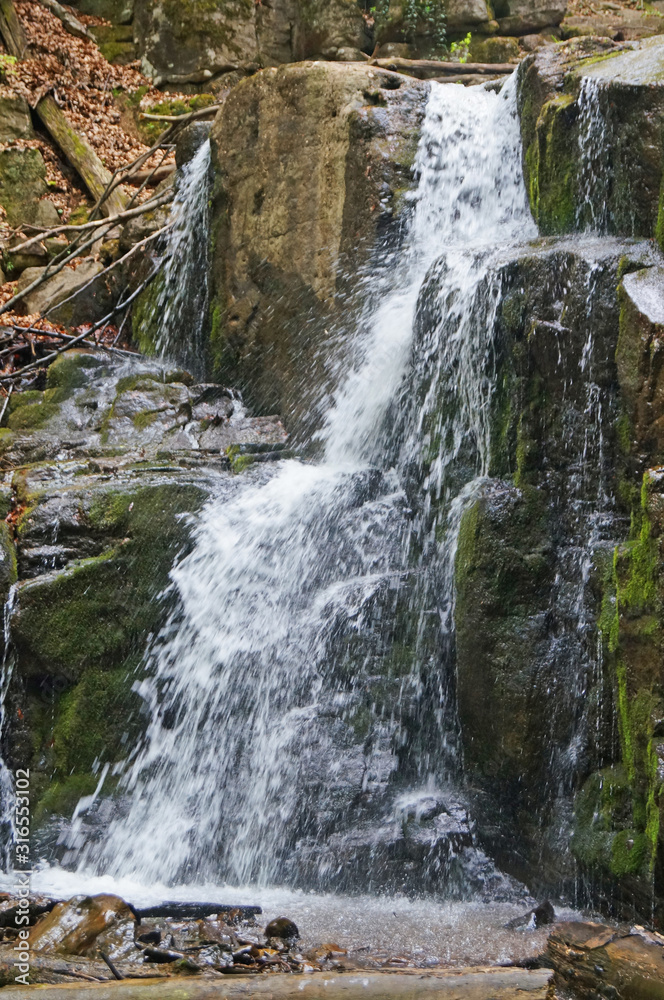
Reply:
x=278, y=697
x=179, y=307
x=595, y=156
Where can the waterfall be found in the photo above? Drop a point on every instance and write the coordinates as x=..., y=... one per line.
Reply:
x=277, y=696
x=595, y=156
x=178, y=310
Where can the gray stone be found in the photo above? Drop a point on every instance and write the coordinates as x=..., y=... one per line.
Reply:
x=523, y=17
x=15, y=120
x=51, y=294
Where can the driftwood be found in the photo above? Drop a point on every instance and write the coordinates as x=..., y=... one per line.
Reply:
x=428, y=69
x=35, y=910
x=81, y=155
x=466, y=78
x=12, y=31
x=71, y=23
x=114, y=971
x=196, y=911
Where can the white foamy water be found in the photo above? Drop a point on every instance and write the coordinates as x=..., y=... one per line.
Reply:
x=180, y=303
x=249, y=747
x=383, y=928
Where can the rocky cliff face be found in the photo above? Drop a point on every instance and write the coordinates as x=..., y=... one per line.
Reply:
x=312, y=164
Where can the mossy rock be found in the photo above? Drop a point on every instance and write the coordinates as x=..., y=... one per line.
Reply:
x=498, y=49
x=98, y=611
x=22, y=185
x=605, y=839
x=552, y=166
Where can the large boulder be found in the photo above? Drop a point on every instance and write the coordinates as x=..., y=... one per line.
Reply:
x=71, y=297
x=552, y=599
x=311, y=163
x=593, y=154
x=182, y=41
x=521, y=17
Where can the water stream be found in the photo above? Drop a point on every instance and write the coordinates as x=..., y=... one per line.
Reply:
x=314, y=613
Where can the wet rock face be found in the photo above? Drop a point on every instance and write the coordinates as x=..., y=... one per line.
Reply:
x=535, y=685
x=597, y=960
x=311, y=164
x=593, y=154
x=72, y=928
x=100, y=468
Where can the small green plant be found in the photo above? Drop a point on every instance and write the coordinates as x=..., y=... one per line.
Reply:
x=460, y=50
x=431, y=15
x=7, y=64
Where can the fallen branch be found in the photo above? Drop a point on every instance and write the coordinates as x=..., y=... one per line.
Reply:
x=426, y=69
x=168, y=134
x=111, y=221
x=6, y=403
x=154, y=176
x=81, y=155
x=211, y=109
x=56, y=335
x=10, y=376
x=114, y=971
x=106, y=270
x=71, y=23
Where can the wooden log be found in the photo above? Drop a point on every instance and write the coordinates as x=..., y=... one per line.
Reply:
x=429, y=69
x=71, y=23
x=151, y=176
x=195, y=911
x=212, y=110
x=467, y=80
x=81, y=155
x=12, y=31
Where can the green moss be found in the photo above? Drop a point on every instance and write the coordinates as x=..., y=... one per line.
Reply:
x=97, y=612
x=630, y=624
x=238, y=460
x=62, y=796
x=32, y=416
x=145, y=319
x=118, y=52
x=177, y=106
x=97, y=720
x=144, y=419
x=551, y=166
x=217, y=336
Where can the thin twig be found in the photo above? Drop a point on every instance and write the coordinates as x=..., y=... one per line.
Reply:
x=212, y=109
x=6, y=404
x=121, y=327
x=51, y=270
x=116, y=180
x=84, y=227
x=114, y=971
x=105, y=271
x=76, y=340
x=68, y=336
